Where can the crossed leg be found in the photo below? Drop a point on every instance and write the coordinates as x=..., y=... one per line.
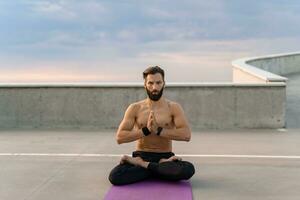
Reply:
x=134, y=169
x=172, y=169
x=126, y=173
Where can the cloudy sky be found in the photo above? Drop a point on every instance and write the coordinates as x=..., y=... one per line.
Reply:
x=115, y=40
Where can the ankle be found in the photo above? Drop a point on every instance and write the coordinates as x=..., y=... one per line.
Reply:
x=162, y=160
x=144, y=164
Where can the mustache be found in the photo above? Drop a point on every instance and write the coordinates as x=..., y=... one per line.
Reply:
x=155, y=94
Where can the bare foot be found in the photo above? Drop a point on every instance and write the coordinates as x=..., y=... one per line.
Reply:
x=132, y=160
x=173, y=158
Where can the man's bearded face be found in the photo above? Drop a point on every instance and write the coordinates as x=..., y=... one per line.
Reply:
x=154, y=86
x=154, y=95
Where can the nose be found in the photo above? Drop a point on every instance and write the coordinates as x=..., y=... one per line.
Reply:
x=156, y=87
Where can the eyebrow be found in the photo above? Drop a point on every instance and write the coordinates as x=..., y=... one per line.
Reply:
x=154, y=81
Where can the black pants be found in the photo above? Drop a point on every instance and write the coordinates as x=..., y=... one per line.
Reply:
x=171, y=170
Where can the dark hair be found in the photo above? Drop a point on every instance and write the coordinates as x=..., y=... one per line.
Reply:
x=154, y=70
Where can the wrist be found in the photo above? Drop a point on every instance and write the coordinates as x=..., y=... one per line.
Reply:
x=146, y=131
x=159, y=130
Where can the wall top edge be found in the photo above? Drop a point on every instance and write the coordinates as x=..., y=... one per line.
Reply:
x=248, y=59
x=262, y=74
x=242, y=64
x=128, y=84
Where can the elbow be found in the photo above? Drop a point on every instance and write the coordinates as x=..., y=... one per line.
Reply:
x=187, y=137
x=119, y=140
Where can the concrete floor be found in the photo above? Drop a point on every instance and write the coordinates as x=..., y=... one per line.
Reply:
x=84, y=176
x=74, y=165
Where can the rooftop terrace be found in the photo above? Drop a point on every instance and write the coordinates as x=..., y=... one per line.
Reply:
x=234, y=163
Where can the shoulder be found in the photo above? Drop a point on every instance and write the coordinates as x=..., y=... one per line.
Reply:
x=134, y=107
x=174, y=106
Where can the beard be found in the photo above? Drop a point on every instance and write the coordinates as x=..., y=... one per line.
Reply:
x=154, y=97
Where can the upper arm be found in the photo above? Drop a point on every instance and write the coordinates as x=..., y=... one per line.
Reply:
x=180, y=120
x=129, y=118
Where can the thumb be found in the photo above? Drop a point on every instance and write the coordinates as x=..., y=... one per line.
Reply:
x=152, y=116
x=151, y=121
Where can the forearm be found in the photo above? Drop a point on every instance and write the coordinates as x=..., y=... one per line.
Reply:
x=180, y=134
x=129, y=136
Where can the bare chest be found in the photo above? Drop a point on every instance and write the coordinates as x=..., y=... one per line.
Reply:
x=163, y=117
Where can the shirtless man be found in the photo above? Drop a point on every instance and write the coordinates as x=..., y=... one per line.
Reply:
x=154, y=123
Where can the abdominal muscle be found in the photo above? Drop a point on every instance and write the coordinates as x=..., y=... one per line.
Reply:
x=154, y=143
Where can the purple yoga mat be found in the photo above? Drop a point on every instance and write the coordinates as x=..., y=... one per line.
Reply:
x=151, y=190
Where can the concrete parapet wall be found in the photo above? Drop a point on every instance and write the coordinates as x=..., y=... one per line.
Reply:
x=102, y=106
x=255, y=99
x=282, y=64
x=241, y=76
x=266, y=68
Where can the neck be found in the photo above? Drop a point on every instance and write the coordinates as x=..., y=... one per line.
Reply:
x=155, y=103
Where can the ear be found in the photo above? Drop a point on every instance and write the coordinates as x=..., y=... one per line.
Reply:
x=145, y=80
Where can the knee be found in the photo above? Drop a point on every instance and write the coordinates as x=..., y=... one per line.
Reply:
x=115, y=178
x=188, y=170
x=180, y=170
